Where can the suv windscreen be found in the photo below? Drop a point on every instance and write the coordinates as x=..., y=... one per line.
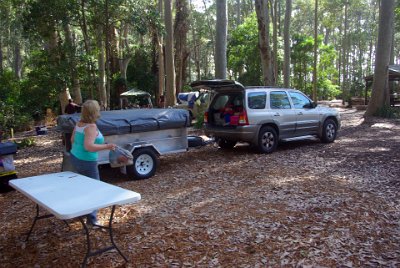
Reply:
x=279, y=100
x=257, y=100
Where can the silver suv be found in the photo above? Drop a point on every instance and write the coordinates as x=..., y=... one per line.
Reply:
x=263, y=116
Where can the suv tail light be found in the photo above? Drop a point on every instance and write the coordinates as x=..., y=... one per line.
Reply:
x=243, y=120
x=205, y=117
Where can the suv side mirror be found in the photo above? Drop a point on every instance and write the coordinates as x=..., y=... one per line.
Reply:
x=310, y=105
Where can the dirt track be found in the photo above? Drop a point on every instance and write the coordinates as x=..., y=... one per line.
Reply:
x=308, y=204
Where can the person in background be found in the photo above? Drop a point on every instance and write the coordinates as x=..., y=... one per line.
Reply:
x=71, y=107
x=86, y=142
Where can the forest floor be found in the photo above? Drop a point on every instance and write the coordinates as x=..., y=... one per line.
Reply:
x=308, y=204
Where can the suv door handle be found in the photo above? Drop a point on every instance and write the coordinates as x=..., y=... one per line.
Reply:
x=300, y=113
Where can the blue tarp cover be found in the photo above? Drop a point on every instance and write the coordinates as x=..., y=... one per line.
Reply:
x=130, y=121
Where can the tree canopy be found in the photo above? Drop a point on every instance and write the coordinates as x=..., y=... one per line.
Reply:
x=96, y=49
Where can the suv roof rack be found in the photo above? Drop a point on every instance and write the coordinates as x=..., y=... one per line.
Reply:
x=215, y=83
x=262, y=87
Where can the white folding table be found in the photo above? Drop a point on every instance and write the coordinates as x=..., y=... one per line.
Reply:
x=68, y=195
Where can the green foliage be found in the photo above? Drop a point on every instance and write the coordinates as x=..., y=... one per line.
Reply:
x=11, y=118
x=199, y=121
x=388, y=112
x=140, y=73
x=303, y=60
x=243, y=53
x=26, y=142
x=186, y=88
x=42, y=84
x=12, y=111
x=9, y=87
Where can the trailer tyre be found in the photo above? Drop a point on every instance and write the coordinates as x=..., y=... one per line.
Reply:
x=145, y=163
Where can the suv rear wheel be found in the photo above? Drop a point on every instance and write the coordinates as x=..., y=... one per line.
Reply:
x=267, y=140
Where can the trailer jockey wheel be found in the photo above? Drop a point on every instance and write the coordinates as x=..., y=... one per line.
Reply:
x=145, y=162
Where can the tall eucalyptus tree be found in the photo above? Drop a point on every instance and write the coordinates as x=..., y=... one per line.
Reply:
x=221, y=40
x=286, y=40
x=169, y=55
x=181, y=29
x=263, y=21
x=380, y=88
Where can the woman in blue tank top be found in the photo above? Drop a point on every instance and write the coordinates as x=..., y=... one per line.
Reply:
x=86, y=141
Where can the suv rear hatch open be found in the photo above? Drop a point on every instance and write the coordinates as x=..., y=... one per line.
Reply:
x=227, y=108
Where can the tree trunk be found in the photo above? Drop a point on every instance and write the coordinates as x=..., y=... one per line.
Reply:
x=314, y=95
x=86, y=39
x=107, y=57
x=238, y=13
x=76, y=88
x=345, y=49
x=17, y=60
x=264, y=42
x=169, y=56
x=221, y=39
x=101, y=84
x=380, y=94
x=286, y=38
x=275, y=39
x=181, y=29
x=160, y=96
x=1, y=55
x=209, y=26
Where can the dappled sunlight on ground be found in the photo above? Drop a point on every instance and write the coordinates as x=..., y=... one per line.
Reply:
x=307, y=204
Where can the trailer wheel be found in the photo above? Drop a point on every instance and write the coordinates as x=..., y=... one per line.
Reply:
x=145, y=162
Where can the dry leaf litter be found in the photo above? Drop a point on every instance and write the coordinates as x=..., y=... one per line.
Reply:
x=306, y=205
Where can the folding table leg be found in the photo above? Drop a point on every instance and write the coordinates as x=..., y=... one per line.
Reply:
x=89, y=253
x=37, y=217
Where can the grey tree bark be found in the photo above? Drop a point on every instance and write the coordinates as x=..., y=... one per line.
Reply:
x=101, y=81
x=264, y=42
x=161, y=67
x=76, y=87
x=275, y=18
x=345, y=55
x=17, y=60
x=169, y=56
x=314, y=95
x=238, y=18
x=286, y=38
x=380, y=92
x=221, y=39
x=181, y=51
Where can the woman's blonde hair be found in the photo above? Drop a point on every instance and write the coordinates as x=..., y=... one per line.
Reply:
x=90, y=111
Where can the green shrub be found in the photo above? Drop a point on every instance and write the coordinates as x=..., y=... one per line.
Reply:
x=199, y=121
x=26, y=142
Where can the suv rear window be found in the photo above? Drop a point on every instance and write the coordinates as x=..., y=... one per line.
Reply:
x=257, y=100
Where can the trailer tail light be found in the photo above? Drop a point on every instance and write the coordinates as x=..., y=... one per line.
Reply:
x=243, y=120
x=205, y=117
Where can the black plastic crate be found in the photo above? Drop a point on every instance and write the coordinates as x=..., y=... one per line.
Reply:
x=4, y=179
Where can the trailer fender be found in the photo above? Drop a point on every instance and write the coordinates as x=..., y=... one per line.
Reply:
x=132, y=147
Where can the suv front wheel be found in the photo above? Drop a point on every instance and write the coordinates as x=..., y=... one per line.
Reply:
x=267, y=140
x=329, y=131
